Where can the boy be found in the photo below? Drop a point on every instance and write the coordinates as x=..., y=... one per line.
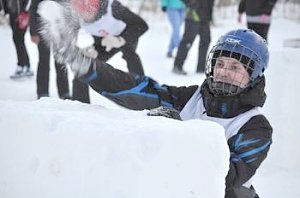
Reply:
x=231, y=96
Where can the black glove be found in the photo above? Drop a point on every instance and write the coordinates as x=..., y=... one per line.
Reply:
x=164, y=8
x=167, y=112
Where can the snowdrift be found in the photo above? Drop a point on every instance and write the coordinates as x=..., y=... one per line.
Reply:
x=54, y=148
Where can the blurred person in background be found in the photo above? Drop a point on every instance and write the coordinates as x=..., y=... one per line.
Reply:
x=176, y=12
x=43, y=69
x=197, y=21
x=19, y=21
x=258, y=13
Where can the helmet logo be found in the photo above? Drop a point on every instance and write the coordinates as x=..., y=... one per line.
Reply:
x=234, y=41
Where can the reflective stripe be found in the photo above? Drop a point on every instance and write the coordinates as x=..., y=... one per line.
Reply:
x=257, y=19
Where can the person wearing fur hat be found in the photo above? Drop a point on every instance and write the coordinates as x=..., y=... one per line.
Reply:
x=231, y=95
x=115, y=29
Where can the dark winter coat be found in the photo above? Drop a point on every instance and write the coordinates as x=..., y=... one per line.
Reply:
x=256, y=7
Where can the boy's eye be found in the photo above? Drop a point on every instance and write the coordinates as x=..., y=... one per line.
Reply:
x=219, y=64
x=235, y=67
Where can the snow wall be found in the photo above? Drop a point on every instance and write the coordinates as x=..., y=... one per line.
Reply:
x=53, y=148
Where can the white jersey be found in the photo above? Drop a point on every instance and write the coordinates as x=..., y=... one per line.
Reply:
x=194, y=109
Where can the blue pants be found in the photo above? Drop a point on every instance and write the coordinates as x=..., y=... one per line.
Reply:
x=176, y=18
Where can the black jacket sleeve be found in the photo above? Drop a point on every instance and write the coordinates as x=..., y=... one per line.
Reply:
x=136, y=26
x=134, y=91
x=248, y=148
x=34, y=17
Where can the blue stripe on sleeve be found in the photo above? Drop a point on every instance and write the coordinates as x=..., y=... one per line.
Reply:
x=236, y=158
x=240, y=144
x=255, y=151
x=137, y=91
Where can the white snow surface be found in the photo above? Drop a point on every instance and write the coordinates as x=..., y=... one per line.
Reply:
x=68, y=149
x=55, y=148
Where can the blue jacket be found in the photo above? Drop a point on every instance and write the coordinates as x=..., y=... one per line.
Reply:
x=172, y=3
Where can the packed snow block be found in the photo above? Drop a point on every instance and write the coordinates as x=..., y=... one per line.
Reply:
x=54, y=148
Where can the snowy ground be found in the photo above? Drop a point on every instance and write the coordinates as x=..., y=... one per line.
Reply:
x=53, y=148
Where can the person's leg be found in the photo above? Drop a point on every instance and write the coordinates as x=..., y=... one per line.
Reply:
x=18, y=38
x=80, y=91
x=241, y=192
x=62, y=81
x=134, y=63
x=174, y=16
x=190, y=32
x=42, y=76
x=204, y=31
x=261, y=29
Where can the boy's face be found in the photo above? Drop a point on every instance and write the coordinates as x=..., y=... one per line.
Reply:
x=231, y=71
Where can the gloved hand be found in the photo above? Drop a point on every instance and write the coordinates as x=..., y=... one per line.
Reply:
x=167, y=112
x=164, y=8
x=23, y=20
x=90, y=51
x=110, y=42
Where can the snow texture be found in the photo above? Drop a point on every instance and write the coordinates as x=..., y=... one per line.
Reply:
x=68, y=149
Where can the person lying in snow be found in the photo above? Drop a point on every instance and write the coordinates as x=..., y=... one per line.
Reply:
x=231, y=96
